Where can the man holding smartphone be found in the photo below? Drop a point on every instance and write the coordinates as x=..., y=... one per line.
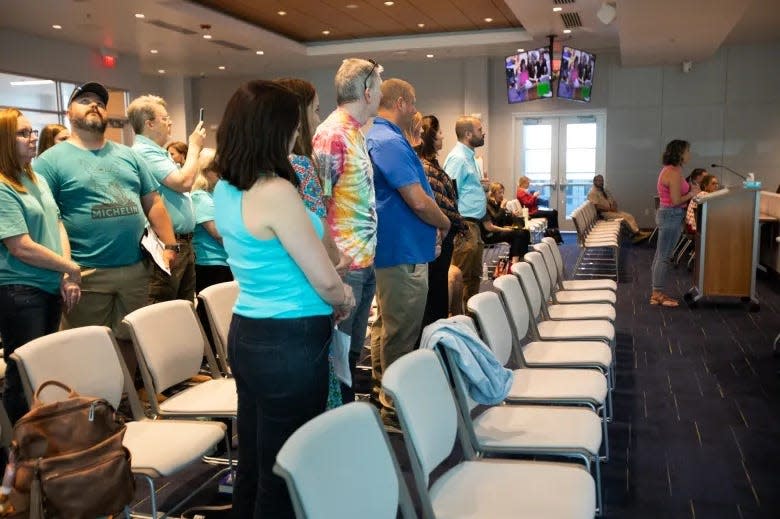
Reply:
x=152, y=126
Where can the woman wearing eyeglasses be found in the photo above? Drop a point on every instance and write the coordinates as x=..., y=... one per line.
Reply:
x=34, y=253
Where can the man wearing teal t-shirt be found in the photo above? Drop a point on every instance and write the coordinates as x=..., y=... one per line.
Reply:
x=105, y=194
x=152, y=126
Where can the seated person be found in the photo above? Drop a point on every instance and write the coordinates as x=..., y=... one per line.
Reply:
x=708, y=184
x=530, y=200
x=499, y=225
x=696, y=175
x=607, y=207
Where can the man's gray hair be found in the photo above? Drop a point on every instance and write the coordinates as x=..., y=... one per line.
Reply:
x=142, y=110
x=351, y=77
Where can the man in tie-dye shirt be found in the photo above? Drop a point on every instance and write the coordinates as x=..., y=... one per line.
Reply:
x=347, y=183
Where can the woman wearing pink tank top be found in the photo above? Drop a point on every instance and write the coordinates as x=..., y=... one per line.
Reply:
x=674, y=193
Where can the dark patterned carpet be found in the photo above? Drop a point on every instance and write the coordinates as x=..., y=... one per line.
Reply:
x=697, y=405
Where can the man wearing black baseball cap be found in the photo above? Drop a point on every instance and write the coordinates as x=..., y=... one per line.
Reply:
x=105, y=193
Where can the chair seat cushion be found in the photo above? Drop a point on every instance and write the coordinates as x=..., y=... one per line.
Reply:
x=163, y=447
x=558, y=384
x=585, y=296
x=582, y=311
x=211, y=398
x=590, y=284
x=580, y=329
x=571, y=353
x=514, y=489
x=538, y=427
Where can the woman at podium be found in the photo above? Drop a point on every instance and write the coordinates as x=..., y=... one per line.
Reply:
x=674, y=193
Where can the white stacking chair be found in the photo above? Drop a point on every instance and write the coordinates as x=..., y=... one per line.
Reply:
x=568, y=311
x=340, y=464
x=568, y=433
x=575, y=284
x=88, y=360
x=218, y=300
x=474, y=488
x=566, y=297
x=599, y=249
x=170, y=344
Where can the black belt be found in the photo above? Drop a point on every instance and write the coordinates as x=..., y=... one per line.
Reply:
x=472, y=220
x=184, y=237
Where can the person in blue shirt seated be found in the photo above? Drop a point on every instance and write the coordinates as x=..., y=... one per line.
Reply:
x=290, y=295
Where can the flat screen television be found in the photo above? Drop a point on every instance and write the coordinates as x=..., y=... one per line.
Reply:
x=529, y=75
x=575, y=78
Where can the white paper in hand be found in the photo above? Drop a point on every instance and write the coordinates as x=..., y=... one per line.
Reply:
x=156, y=248
x=339, y=350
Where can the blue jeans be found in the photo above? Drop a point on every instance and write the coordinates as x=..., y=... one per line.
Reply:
x=26, y=313
x=281, y=372
x=363, y=284
x=669, y=221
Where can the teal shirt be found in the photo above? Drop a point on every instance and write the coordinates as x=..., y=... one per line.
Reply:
x=161, y=165
x=36, y=214
x=461, y=167
x=99, y=195
x=208, y=251
x=271, y=284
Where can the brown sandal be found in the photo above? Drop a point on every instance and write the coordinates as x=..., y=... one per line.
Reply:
x=664, y=300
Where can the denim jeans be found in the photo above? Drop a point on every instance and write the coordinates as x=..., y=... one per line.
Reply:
x=669, y=221
x=281, y=372
x=363, y=284
x=26, y=313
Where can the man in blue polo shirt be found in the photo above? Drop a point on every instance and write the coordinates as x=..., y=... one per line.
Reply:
x=409, y=223
x=152, y=126
x=461, y=166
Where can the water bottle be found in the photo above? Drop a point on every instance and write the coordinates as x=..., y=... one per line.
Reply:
x=484, y=272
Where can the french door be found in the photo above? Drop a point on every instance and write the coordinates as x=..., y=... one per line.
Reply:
x=561, y=154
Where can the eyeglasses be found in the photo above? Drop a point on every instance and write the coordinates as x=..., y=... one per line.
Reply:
x=27, y=133
x=86, y=101
x=374, y=65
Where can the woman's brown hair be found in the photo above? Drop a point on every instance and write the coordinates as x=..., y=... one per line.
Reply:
x=305, y=92
x=48, y=134
x=674, y=152
x=11, y=170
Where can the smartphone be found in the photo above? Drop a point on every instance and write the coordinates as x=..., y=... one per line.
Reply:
x=200, y=114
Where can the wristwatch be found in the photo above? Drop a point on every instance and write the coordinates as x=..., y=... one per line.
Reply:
x=175, y=248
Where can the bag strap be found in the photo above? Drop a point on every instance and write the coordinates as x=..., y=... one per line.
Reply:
x=36, y=397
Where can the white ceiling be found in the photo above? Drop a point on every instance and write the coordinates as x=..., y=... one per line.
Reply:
x=647, y=32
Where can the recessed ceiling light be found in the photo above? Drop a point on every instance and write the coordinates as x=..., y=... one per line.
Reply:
x=58, y=27
x=567, y=31
x=389, y=3
x=281, y=13
x=140, y=15
x=351, y=6
x=161, y=71
x=154, y=51
x=325, y=32
x=420, y=25
x=221, y=67
x=557, y=9
x=429, y=55
x=259, y=53
x=207, y=36
x=520, y=50
x=488, y=20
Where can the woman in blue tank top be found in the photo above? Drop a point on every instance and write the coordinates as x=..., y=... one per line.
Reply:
x=289, y=292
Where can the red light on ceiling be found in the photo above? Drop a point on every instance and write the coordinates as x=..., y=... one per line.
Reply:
x=108, y=60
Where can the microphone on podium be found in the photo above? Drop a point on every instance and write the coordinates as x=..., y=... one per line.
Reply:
x=740, y=175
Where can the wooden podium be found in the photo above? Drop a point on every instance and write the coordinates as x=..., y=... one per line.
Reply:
x=727, y=246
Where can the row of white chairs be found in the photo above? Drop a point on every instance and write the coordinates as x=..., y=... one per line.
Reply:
x=557, y=410
x=598, y=241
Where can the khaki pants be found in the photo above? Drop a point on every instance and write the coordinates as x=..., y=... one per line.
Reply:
x=467, y=256
x=628, y=219
x=401, y=292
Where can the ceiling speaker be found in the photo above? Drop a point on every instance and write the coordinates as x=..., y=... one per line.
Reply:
x=606, y=13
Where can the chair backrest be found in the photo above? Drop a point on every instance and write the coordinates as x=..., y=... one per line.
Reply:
x=549, y=261
x=530, y=287
x=426, y=409
x=556, y=252
x=541, y=278
x=493, y=324
x=340, y=464
x=218, y=300
x=543, y=268
x=169, y=341
x=87, y=359
x=515, y=303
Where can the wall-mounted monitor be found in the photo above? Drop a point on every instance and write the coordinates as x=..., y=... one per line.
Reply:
x=575, y=78
x=529, y=75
